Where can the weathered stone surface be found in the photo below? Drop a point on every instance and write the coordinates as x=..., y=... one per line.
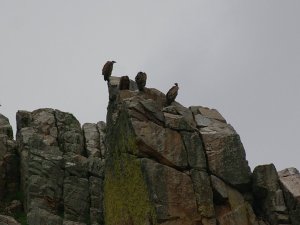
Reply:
x=269, y=195
x=76, y=165
x=95, y=166
x=102, y=132
x=94, y=135
x=195, y=151
x=177, y=122
x=9, y=162
x=172, y=193
x=225, y=152
x=152, y=111
x=76, y=198
x=290, y=182
x=45, y=178
x=202, y=121
x=7, y=220
x=70, y=136
x=203, y=193
x=39, y=216
x=54, y=169
x=208, y=113
x=235, y=210
x=161, y=143
x=92, y=139
x=96, y=196
x=219, y=190
x=186, y=121
x=5, y=127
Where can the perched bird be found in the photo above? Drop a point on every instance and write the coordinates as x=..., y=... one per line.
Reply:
x=172, y=93
x=140, y=80
x=124, y=83
x=107, y=69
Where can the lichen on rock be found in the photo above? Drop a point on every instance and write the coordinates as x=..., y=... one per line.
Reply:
x=126, y=198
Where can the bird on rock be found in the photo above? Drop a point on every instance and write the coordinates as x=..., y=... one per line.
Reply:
x=140, y=80
x=172, y=93
x=124, y=83
x=107, y=69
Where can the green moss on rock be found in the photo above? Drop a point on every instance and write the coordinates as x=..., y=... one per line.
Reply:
x=126, y=197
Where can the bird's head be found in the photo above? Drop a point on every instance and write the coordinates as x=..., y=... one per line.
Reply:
x=113, y=62
x=176, y=84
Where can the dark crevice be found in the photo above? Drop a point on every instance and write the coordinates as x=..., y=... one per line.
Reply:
x=58, y=132
x=186, y=152
x=62, y=208
x=203, y=145
x=205, y=154
x=99, y=137
x=84, y=153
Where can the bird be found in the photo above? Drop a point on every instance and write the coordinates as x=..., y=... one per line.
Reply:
x=124, y=83
x=107, y=69
x=140, y=80
x=172, y=93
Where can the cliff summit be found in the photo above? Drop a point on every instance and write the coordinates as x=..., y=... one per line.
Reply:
x=150, y=163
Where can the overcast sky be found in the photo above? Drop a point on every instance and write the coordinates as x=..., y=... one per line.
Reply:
x=240, y=57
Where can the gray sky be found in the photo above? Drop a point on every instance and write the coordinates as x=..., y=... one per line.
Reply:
x=240, y=57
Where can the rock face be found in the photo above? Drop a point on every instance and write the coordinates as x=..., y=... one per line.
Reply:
x=166, y=156
x=269, y=195
x=60, y=165
x=290, y=182
x=225, y=151
x=149, y=164
x=9, y=173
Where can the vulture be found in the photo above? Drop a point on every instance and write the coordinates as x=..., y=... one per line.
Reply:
x=172, y=93
x=124, y=83
x=107, y=69
x=140, y=80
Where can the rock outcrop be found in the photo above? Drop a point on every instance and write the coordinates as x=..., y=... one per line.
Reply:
x=9, y=172
x=166, y=156
x=269, y=195
x=150, y=163
x=62, y=167
x=290, y=182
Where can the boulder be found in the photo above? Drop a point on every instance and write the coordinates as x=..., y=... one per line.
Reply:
x=290, y=182
x=269, y=195
x=57, y=159
x=230, y=205
x=225, y=152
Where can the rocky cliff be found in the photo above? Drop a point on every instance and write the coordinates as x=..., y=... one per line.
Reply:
x=148, y=164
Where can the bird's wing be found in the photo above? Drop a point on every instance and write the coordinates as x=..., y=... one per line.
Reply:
x=172, y=93
x=106, y=67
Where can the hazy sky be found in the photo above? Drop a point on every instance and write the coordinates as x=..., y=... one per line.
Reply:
x=240, y=57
